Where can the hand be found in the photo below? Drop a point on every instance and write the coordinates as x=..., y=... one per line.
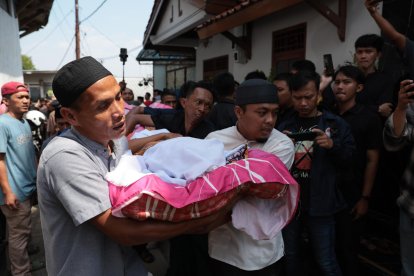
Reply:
x=171, y=135
x=371, y=5
x=404, y=96
x=385, y=109
x=11, y=201
x=360, y=209
x=322, y=140
x=325, y=81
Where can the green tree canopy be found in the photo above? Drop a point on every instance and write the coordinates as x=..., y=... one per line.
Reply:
x=27, y=63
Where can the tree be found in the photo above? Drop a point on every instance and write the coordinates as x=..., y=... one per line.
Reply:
x=27, y=63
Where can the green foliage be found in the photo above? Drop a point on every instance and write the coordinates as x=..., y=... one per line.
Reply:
x=27, y=63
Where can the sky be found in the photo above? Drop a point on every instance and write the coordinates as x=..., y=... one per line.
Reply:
x=116, y=24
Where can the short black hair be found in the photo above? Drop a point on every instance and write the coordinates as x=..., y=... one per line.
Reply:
x=304, y=65
x=283, y=77
x=352, y=72
x=370, y=40
x=188, y=88
x=255, y=75
x=302, y=78
x=167, y=92
x=223, y=83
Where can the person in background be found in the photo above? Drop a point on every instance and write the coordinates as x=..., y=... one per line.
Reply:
x=147, y=99
x=281, y=81
x=319, y=158
x=222, y=114
x=17, y=174
x=169, y=98
x=357, y=184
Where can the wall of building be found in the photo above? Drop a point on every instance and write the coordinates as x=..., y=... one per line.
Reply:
x=160, y=76
x=10, y=60
x=321, y=38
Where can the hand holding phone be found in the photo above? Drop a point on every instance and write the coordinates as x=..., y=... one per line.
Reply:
x=328, y=64
x=302, y=136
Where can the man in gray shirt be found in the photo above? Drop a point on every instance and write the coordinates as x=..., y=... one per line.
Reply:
x=81, y=236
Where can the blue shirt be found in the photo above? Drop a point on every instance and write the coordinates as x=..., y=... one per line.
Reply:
x=16, y=142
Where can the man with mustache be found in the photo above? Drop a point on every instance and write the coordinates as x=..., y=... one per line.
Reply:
x=196, y=99
x=232, y=250
x=81, y=236
x=17, y=174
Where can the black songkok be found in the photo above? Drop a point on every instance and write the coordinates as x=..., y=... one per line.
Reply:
x=75, y=77
x=255, y=91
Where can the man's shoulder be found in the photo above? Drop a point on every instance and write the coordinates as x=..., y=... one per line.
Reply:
x=222, y=132
x=62, y=145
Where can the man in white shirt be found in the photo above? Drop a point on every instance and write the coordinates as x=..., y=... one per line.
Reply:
x=233, y=251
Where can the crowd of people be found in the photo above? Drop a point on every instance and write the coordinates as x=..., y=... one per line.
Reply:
x=331, y=131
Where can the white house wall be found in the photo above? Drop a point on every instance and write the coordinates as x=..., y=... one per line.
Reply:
x=321, y=38
x=191, y=16
x=10, y=60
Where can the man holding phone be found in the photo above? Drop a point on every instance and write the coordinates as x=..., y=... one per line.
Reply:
x=399, y=132
x=315, y=167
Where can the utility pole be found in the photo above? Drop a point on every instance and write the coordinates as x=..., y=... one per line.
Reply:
x=77, y=36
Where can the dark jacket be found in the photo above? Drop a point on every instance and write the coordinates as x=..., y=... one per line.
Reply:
x=325, y=197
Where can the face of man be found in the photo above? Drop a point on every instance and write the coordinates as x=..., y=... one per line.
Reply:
x=18, y=103
x=345, y=88
x=197, y=105
x=366, y=57
x=169, y=100
x=283, y=92
x=127, y=95
x=257, y=121
x=305, y=100
x=100, y=115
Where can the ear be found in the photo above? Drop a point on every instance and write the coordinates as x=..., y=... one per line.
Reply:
x=239, y=111
x=69, y=115
x=183, y=101
x=359, y=87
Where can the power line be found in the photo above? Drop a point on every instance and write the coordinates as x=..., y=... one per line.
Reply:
x=104, y=35
x=44, y=39
x=93, y=12
x=67, y=50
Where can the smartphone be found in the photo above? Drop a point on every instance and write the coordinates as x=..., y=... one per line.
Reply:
x=328, y=64
x=303, y=136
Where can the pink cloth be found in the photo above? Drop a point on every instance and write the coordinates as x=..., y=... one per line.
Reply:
x=160, y=105
x=261, y=175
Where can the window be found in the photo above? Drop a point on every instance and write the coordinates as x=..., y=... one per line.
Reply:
x=214, y=66
x=176, y=77
x=288, y=46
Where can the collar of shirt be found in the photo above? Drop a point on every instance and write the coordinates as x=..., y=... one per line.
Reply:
x=93, y=146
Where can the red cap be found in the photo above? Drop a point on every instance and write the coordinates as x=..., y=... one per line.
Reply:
x=13, y=87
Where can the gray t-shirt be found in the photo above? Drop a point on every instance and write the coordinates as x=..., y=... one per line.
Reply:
x=72, y=190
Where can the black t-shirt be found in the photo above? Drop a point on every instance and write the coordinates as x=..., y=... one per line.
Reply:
x=378, y=89
x=303, y=159
x=366, y=128
x=174, y=122
x=222, y=114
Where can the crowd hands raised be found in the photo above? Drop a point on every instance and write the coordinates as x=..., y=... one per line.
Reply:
x=328, y=130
